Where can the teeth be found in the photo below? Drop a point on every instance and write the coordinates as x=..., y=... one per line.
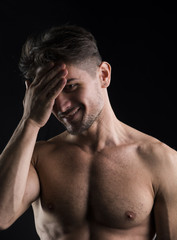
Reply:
x=69, y=114
x=73, y=113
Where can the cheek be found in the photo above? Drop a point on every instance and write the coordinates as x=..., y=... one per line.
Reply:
x=80, y=96
x=91, y=97
x=85, y=95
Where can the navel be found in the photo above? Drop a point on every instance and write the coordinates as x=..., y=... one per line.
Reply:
x=130, y=215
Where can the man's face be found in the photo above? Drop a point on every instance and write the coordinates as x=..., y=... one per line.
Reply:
x=80, y=102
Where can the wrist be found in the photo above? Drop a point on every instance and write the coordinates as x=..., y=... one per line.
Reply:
x=28, y=122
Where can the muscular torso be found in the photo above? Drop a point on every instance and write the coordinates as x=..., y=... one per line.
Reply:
x=106, y=195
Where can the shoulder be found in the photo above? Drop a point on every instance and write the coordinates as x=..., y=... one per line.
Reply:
x=158, y=159
x=161, y=160
x=152, y=151
x=45, y=148
x=52, y=142
x=157, y=152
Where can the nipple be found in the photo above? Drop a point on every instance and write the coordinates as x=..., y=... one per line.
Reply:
x=130, y=215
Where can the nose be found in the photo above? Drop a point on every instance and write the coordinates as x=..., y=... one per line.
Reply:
x=62, y=103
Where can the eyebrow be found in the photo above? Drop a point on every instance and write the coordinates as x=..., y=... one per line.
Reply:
x=71, y=79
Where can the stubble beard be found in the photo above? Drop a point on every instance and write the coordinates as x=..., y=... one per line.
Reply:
x=84, y=124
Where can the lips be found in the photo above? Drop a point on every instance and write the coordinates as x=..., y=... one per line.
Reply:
x=69, y=114
x=73, y=112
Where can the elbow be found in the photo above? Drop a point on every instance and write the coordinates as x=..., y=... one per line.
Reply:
x=2, y=229
x=4, y=225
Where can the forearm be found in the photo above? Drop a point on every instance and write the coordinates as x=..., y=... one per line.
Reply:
x=15, y=160
x=14, y=167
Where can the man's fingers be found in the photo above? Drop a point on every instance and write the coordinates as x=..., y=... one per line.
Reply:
x=47, y=72
x=57, y=89
x=41, y=71
x=57, y=84
x=50, y=80
x=55, y=81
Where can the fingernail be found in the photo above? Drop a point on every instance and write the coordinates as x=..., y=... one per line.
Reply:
x=65, y=72
x=63, y=65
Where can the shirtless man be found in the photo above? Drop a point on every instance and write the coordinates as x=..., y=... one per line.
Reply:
x=98, y=180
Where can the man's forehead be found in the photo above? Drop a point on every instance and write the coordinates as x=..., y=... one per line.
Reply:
x=80, y=70
x=75, y=72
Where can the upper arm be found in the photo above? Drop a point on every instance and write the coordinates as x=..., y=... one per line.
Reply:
x=165, y=206
x=30, y=195
x=32, y=190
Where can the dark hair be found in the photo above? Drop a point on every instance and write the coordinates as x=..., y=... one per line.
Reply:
x=69, y=44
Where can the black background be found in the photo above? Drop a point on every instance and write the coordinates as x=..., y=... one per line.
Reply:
x=139, y=41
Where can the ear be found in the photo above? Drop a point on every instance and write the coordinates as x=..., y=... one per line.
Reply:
x=105, y=74
x=27, y=84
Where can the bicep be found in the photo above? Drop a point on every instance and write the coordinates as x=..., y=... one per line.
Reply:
x=31, y=193
x=165, y=209
x=165, y=219
x=32, y=187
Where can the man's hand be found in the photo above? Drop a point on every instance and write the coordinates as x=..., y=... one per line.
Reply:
x=42, y=92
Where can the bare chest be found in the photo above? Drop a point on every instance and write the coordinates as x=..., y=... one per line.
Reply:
x=111, y=189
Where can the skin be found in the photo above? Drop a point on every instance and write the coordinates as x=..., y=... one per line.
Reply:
x=100, y=179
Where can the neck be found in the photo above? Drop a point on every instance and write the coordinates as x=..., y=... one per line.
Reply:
x=106, y=131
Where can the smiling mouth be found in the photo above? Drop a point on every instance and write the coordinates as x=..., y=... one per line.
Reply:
x=69, y=114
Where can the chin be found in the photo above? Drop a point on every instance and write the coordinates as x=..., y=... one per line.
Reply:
x=81, y=128
x=75, y=131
